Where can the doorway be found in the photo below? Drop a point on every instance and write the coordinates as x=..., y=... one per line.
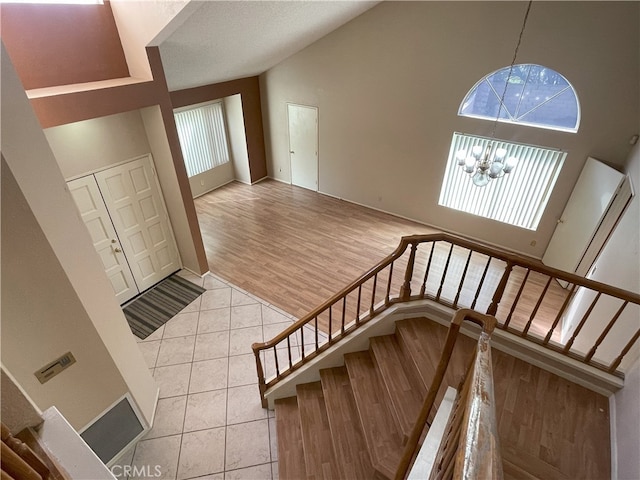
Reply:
x=303, y=145
x=126, y=216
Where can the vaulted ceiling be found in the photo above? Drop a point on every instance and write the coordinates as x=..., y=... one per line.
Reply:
x=227, y=40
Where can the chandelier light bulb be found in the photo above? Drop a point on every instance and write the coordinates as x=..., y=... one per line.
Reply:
x=510, y=164
x=469, y=164
x=496, y=170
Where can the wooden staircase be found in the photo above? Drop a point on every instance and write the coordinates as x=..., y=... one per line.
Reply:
x=354, y=422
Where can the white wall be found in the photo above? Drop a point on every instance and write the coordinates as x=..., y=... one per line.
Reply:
x=389, y=83
x=627, y=426
x=55, y=294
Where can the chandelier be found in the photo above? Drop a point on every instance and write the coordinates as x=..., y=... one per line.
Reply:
x=484, y=163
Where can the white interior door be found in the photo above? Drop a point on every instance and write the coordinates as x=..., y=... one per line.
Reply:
x=303, y=145
x=132, y=196
x=94, y=213
x=584, y=212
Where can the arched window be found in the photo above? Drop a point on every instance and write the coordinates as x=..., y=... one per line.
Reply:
x=536, y=96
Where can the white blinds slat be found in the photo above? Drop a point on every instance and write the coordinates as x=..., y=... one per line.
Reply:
x=518, y=198
x=203, y=137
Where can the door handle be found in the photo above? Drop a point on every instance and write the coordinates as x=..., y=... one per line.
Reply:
x=559, y=221
x=117, y=250
x=291, y=151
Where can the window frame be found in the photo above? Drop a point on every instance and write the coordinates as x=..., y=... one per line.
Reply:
x=502, y=192
x=517, y=122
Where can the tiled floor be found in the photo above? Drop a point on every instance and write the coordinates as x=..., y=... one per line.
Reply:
x=209, y=423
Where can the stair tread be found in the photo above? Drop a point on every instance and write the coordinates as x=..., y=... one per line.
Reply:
x=348, y=438
x=413, y=333
x=290, y=452
x=406, y=390
x=381, y=433
x=319, y=457
x=521, y=465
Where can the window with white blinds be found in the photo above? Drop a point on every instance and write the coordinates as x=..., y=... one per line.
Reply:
x=203, y=137
x=518, y=198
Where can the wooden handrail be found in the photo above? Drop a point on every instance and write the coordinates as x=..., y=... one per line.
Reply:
x=488, y=324
x=511, y=260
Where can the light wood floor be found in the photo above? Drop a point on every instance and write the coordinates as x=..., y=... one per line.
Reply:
x=295, y=248
x=290, y=246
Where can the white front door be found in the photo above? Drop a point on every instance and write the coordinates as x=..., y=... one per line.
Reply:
x=87, y=196
x=133, y=198
x=589, y=201
x=303, y=145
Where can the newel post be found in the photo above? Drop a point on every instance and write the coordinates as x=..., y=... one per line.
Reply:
x=497, y=295
x=260, y=371
x=405, y=290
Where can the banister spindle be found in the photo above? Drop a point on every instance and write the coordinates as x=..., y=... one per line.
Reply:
x=517, y=299
x=261, y=380
x=289, y=350
x=388, y=296
x=581, y=324
x=481, y=283
x=316, y=331
x=497, y=295
x=605, y=332
x=444, y=273
x=275, y=356
x=423, y=288
x=565, y=304
x=302, y=342
x=344, y=313
x=464, y=274
x=405, y=290
x=536, y=308
x=373, y=293
x=358, y=306
x=625, y=350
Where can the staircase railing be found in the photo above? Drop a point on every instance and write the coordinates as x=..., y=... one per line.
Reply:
x=470, y=446
x=523, y=294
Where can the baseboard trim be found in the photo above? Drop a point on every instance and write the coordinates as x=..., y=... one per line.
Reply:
x=435, y=227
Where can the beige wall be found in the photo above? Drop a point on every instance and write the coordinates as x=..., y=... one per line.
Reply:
x=389, y=83
x=237, y=138
x=90, y=145
x=55, y=295
x=212, y=179
x=157, y=137
x=18, y=410
x=140, y=22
